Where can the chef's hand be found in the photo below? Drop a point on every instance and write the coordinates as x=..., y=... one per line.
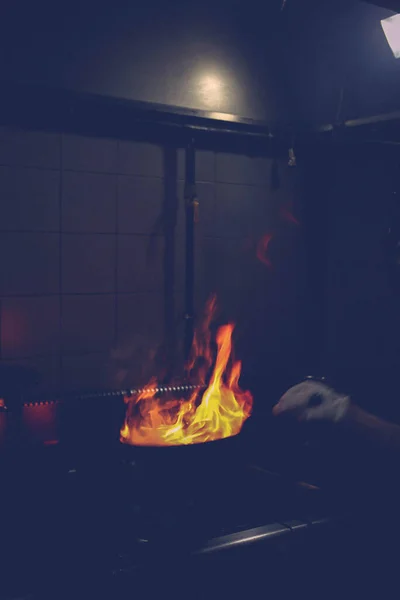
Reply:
x=313, y=401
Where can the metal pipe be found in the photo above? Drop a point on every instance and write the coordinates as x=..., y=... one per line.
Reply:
x=225, y=130
x=46, y=107
x=392, y=116
x=191, y=207
x=61, y=398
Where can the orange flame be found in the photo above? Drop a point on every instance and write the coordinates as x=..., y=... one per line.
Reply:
x=218, y=412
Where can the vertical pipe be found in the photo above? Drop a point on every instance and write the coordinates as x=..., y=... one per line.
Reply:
x=190, y=205
x=170, y=210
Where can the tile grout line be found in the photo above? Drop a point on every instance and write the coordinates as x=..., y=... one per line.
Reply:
x=116, y=250
x=71, y=233
x=74, y=294
x=81, y=171
x=261, y=184
x=49, y=356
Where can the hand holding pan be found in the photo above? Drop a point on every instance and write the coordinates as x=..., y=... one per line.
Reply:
x=313, y=401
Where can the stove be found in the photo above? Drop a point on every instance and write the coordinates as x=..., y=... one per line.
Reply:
x=103, y=526
x=103, y=522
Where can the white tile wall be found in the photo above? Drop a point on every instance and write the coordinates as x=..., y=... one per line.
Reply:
x=82, y=248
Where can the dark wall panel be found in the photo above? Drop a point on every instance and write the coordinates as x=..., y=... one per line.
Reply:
x=363, y=320
x=357, y=283
x=339, y=64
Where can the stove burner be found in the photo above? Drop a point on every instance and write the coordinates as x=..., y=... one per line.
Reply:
x=188, y=518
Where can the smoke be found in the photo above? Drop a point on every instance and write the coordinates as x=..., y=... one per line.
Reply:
x=133, y=363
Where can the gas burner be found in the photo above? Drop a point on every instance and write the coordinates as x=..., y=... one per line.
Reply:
x=188, y=517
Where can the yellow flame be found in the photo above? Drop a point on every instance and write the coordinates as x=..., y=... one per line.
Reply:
x=216, y=413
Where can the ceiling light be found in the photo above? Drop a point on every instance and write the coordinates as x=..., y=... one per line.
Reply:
x=391, y=27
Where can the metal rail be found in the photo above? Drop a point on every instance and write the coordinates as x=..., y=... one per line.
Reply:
x=382, y=118
x=126, y=393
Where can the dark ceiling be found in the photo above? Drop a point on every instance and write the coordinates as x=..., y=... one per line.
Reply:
x=390, y=4
x=315, y=62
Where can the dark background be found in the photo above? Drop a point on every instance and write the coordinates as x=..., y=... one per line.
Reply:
x=352, y=200
x=83, y=224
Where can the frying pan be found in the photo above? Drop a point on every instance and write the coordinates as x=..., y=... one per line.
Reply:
x=184, y=458
x=89, y=428
x=186, y=467
x=181, y=455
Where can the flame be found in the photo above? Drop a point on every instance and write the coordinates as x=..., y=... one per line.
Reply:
x=218, y=412
x=262, y=248
x=287, y=213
